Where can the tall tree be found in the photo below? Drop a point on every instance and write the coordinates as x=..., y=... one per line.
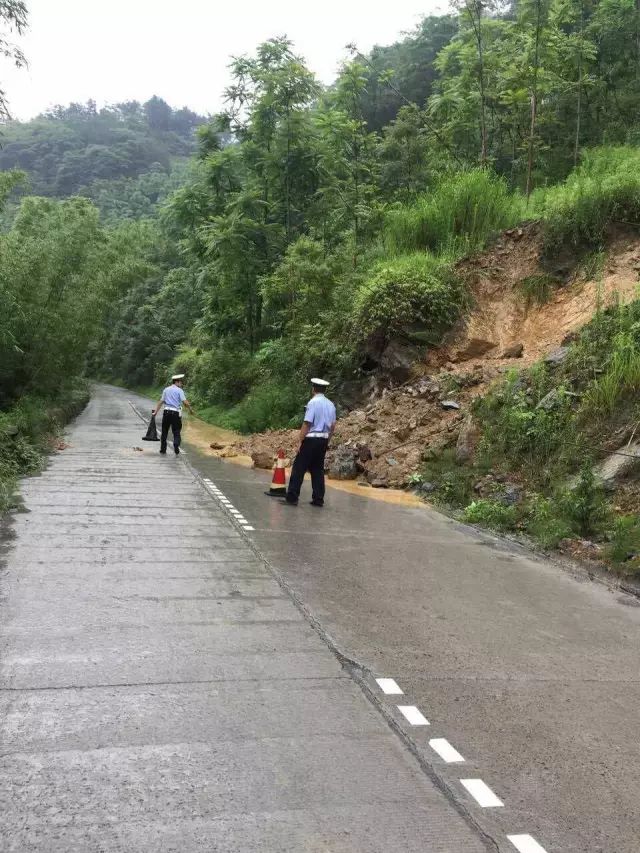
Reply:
x=13, y=15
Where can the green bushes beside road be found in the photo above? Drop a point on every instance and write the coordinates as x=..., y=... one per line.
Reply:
x=28, y=430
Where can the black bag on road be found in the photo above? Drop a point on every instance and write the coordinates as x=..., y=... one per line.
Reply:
x=152, y=432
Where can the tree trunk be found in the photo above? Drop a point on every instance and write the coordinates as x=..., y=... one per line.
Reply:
x=534, y=98
x=576, y=146
x=474, y=10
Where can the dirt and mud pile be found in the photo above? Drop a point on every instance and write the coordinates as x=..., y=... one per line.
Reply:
x=384, y=436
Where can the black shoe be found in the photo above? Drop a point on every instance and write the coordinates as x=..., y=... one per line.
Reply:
x=290, y=502
x=316, y=503
x=163, y=452
x=176, y=450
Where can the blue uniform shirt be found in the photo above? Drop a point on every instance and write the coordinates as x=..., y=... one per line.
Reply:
x=173, y=396
x=320, y=413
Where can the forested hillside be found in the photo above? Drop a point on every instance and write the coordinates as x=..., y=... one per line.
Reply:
x=322, y=230
x=322, y=233
x=125, y=157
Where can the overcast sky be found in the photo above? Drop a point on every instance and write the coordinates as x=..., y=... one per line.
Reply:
x=131, y=49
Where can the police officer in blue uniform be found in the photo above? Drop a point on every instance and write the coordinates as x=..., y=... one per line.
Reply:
x=172, y=399
x=317, y=429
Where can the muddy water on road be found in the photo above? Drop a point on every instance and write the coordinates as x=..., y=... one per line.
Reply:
x=201, y=435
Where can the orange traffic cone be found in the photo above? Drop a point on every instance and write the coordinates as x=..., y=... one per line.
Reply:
x=279, y=482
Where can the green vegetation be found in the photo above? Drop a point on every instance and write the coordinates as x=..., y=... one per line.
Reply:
x=306, y=228
x=335, y=220
x=461, y=214
x=544, y=429
x=416, y=289
x=125, y=157
x=27, y=429
x=603, y=190
x=491, y=513
x=538, y=288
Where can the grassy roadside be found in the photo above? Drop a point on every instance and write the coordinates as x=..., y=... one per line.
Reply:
x=30, y=429
x=542, y=435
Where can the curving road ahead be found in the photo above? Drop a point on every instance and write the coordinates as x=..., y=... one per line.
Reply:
x=164, y=688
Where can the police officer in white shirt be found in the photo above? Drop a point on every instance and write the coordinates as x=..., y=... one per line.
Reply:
x=317, y=429
x=172, y=399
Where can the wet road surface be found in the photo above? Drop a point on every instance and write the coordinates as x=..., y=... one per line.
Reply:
x=530, y=674
x=161, y=691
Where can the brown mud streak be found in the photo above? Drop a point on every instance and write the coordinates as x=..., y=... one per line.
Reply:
x=201, y=435
x=399, y=425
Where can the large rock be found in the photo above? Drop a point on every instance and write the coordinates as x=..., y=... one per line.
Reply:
x=262, y=460
x=425, y=488
x=467, y=440
x=343, y=463
x=550, y=400
x=425, y=389
x=364, y=453
x=402, y=433
x=557, y=356
x=474, y=348
x=379, y=482
x=513, y=351
x=618, y=464
x=397, y=360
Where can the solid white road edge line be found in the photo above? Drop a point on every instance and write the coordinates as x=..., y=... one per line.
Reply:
x=389, y=686
x=482, y=793
x=411, y=713
x=444, y=749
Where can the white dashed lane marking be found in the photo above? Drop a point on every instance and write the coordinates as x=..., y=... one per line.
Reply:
x=526, y=844
x=237, y=515
x=445, y=750
x=389, y=686
x=482, y=793
x=478, y=789
x=413, y=715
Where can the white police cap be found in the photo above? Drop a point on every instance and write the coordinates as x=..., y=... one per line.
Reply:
x=177, y=376
x=321, y=382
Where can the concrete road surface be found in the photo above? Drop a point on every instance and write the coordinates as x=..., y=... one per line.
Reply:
x=531, y=675
x=161, y=691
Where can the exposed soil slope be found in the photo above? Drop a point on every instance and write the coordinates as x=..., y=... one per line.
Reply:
x=502, y=329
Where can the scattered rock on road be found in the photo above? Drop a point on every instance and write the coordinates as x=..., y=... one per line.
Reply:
x=343, y=463
x=380, y=483
x=262, y=460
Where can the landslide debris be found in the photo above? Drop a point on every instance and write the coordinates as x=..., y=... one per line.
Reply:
x=384, y=435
